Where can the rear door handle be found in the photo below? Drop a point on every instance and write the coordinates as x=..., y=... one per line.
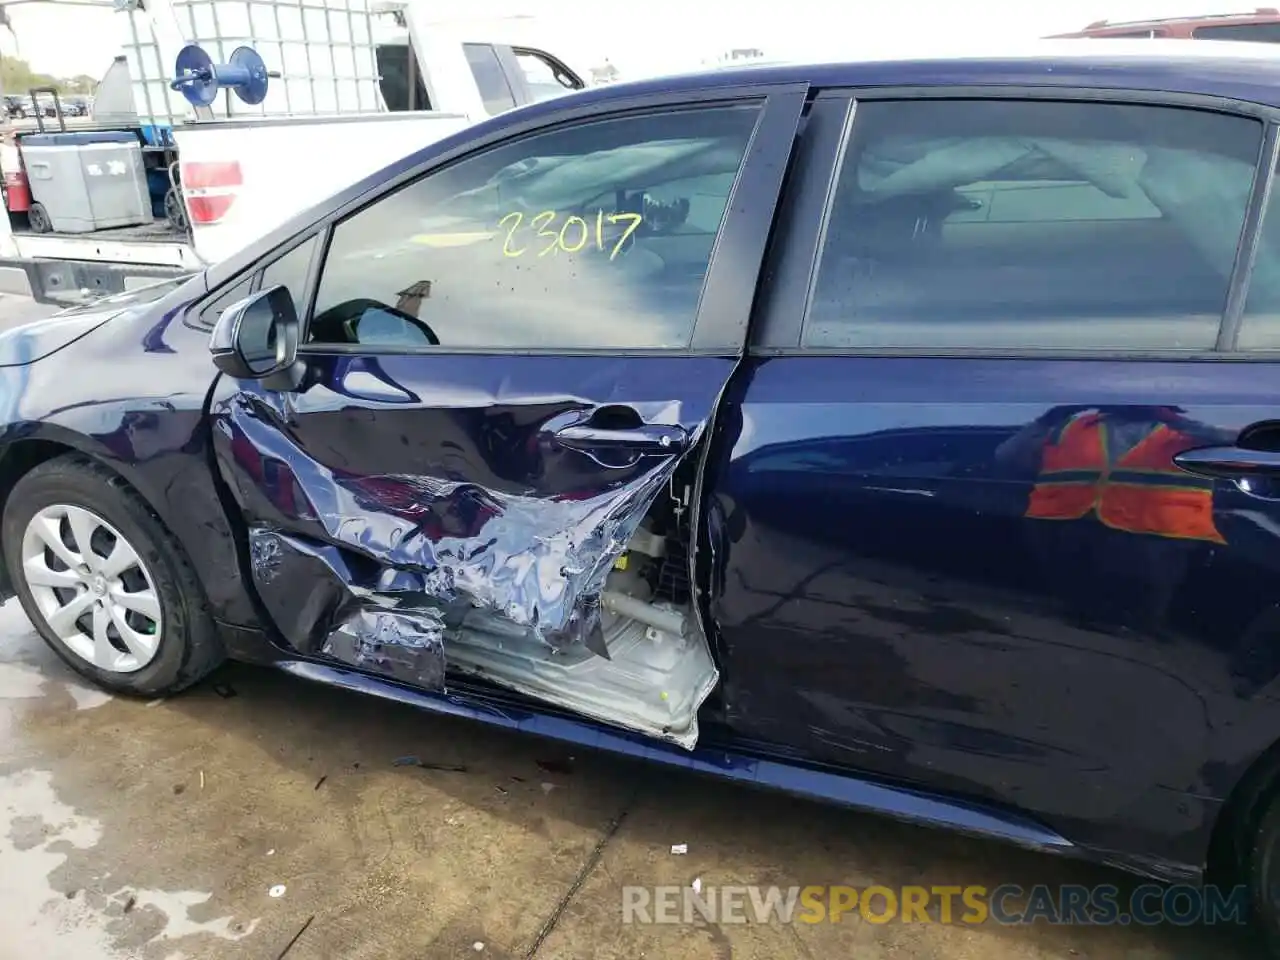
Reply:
x=645, y=438
x=1230, y=463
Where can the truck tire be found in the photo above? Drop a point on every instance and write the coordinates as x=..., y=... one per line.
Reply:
x=38, y=217
x=174, y=209
x=106, y=586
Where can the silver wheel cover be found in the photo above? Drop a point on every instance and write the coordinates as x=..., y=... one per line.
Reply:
x=91, y=588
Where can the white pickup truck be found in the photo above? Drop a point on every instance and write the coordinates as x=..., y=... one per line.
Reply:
x=243, y=175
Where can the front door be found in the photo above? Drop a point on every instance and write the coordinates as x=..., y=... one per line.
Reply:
x=510, y=362
x=959, y=506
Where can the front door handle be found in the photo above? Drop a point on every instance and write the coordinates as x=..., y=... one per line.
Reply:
x=645, y=438
x=1229, y=463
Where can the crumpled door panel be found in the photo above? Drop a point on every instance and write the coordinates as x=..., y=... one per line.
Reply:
x=379, y=531
x=314, y=598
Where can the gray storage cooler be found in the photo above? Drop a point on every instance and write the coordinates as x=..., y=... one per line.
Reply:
x=87, y=180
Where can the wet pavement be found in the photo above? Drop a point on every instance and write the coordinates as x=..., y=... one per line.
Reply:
x=159, y=830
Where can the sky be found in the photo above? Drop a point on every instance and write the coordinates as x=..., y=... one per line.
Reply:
x=656, y=36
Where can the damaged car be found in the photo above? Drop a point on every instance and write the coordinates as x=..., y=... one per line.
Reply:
x=903, y=433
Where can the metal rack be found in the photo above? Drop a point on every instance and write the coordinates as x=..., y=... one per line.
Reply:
x=324, y=50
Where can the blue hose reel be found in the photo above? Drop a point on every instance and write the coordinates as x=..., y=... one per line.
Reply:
x=199, y=78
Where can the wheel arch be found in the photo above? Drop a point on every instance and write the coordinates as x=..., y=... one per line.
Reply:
x=18, y=458
x=43, y=442
x=181, y=489
x=1240, y=814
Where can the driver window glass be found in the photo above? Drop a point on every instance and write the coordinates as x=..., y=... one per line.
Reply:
x=592, y=236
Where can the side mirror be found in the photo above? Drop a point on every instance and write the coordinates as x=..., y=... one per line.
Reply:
x=257, y=339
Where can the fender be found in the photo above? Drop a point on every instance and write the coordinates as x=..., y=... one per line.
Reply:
x=143, y=416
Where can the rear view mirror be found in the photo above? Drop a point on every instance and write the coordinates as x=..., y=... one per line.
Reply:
x=257, y=338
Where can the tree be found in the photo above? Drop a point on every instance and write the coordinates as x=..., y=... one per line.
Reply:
x=80, y=83
x=17, y=77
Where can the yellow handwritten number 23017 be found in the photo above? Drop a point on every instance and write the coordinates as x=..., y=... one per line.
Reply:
x=574, y=234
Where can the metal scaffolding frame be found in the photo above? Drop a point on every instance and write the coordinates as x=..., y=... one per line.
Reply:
x=324, y=48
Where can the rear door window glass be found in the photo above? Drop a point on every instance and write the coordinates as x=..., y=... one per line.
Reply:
x=1260, y=325
x=989, y=224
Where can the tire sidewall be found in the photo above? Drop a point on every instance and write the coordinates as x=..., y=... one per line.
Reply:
x=45, y=487
x=38, y=218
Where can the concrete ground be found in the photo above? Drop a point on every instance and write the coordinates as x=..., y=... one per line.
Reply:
x=16, y=310
x=159, y=830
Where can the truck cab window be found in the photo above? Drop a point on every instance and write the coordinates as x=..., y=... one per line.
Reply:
x=546, y=78
x=591, y=236
x=490, y=78
x=393, y=68
x=1020, y=224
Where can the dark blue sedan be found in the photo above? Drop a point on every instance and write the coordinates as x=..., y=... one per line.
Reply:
x=903, y=433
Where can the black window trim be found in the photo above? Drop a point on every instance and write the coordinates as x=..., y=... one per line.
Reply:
x=801, y=222
x=1247, y=251
x=550, y=59
x=724, y=306
x=254, y=273
x=779, y=326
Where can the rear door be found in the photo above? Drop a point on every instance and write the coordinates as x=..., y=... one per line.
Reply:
x=508, y=360
x=956, y=548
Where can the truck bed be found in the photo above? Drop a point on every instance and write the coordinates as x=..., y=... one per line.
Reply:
x=157, y=231
x=148, y=249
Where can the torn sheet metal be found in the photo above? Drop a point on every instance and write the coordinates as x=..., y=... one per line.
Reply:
x=319, y=604
x=306, y=587
x=404, y=645
x=392, y=537
x=537, y=562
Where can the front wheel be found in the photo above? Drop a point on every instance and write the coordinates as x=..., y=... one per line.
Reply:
x=104, y=583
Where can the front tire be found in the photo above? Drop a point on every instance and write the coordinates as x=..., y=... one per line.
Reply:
x=104, y=583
